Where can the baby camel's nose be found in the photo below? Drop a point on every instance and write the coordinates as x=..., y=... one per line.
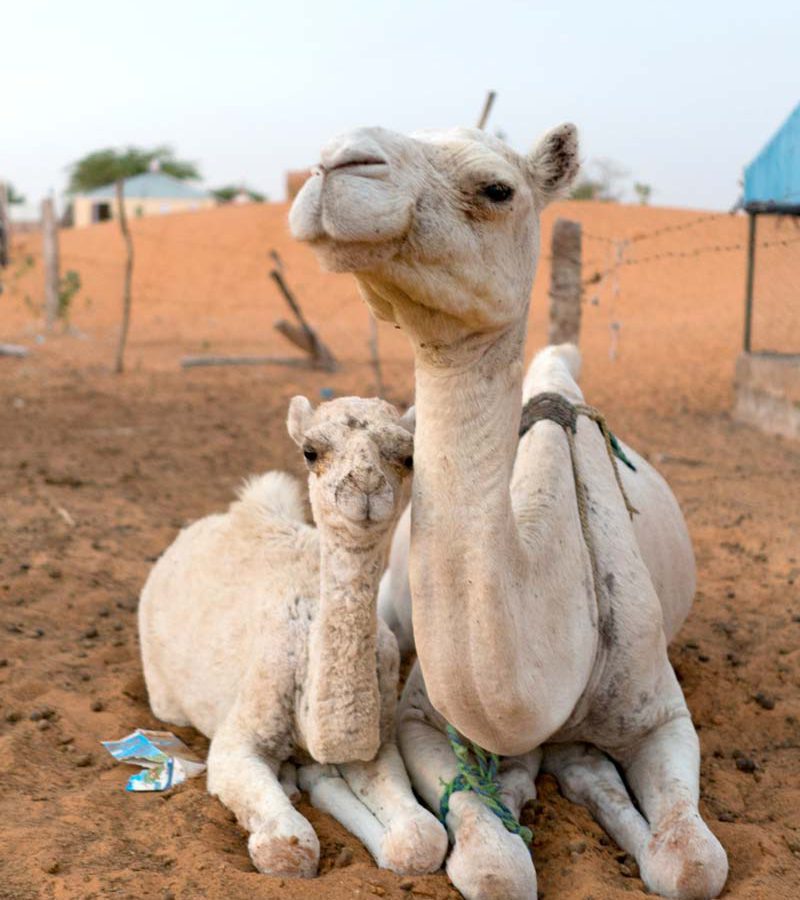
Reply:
x=368, y=479
x=356, y=148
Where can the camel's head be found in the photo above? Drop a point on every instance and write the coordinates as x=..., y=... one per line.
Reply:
x=360, y=456
x=441, y=228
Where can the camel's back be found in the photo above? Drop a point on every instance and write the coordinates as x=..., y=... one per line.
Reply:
x=225, y=593
x=659, y=527
x=663, y=540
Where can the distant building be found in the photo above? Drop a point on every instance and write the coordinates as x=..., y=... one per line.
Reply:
x=148, y=194
x=295, y=180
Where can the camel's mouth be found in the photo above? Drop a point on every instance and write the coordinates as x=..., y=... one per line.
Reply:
x=353, y=215
x=366, y=166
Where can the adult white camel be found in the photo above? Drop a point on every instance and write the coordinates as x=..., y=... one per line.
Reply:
x=262, y=632
x=518, y=644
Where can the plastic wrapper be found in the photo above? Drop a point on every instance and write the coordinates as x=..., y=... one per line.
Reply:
x=164, y=758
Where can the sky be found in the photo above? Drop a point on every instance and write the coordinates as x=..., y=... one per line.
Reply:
x=681, y=95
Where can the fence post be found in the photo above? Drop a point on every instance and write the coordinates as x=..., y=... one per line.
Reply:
x=751, y=264
x=5, y=227
x=565, y=283
x=51, y=262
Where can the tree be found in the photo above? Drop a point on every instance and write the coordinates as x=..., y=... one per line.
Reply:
x=605, y=183
x=12, y=195
x=106, y=166
x=586, y=189
x=643, y=192
x=227, y=193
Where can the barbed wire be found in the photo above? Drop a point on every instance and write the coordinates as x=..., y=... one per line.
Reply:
x=596, y=277
x=684, y=254
x=656, y=232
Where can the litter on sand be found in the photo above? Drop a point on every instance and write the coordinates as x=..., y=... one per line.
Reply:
x=165, y=759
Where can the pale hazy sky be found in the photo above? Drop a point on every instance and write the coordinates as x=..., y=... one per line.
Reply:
x=683, y=94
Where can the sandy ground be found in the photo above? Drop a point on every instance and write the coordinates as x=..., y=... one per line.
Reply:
x=97, y=472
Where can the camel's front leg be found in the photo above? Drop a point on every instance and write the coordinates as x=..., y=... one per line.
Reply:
x=487, y=862
x=682, y=858
x=588, y=777
x=413, y=840
x=281, y=841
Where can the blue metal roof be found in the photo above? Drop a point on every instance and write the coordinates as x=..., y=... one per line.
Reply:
x=772, y=180
x=150, y=184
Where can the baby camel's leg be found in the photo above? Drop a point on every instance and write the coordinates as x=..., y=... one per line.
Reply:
x=281, y=841
x=682, y=858
x=329, y=792
x=588, y=777
x=413, y=841
x=487, y=861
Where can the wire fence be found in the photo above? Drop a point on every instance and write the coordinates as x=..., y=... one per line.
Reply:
x=192, y=269
x=776, y=306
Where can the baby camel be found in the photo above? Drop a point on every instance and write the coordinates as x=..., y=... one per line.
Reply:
x=261, y=631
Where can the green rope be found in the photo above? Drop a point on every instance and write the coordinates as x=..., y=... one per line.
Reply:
x=619, y=452
x=477, y=772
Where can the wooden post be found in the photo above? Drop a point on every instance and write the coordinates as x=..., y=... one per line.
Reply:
x=51, y=262
x=565, y=283
x=376, y=358
x=5, y=227
x=751, y=265
x=487, y=108
x=126, y=287
x=305, y=337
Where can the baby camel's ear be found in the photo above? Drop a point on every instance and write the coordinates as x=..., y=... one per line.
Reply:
x=299, y=418
x=409, y=419
x=553, y=163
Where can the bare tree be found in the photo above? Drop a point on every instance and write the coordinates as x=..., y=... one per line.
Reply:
x=119, y=365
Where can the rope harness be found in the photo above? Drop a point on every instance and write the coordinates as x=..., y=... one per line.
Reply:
x=477, y=772
x=477, y=768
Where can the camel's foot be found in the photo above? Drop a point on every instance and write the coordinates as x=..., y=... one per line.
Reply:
x=684, y=860
x=487, y=862
x=287, y=847
x=414, y=844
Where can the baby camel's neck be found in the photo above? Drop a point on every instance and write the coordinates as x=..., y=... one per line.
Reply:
x=343, y=718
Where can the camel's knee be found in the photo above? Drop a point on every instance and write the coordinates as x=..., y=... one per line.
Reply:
x=684, y=859
x=285, y=846
x=415, y=844
x=487, y=862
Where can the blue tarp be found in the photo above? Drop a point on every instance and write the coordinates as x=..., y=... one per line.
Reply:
x=773, y=178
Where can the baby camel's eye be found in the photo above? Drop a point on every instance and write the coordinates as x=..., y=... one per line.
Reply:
x=497, y=192
x=408, y=462
x=310, y=454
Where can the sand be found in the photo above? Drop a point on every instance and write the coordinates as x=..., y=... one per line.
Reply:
x=98, y=471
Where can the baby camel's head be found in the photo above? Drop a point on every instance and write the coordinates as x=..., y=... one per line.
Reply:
x=360, y=456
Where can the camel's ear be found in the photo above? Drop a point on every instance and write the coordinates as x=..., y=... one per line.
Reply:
x=409, y=419
x=299, y=418
x=554, y=163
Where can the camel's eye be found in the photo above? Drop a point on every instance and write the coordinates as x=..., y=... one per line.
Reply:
x=310, y=454
x=497, y=192
x=408, y=462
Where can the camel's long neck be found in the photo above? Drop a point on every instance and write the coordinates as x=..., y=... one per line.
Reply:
x=343, y=713
x=480, y=616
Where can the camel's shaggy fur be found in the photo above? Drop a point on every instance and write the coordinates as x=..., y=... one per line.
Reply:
x=261, y=631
